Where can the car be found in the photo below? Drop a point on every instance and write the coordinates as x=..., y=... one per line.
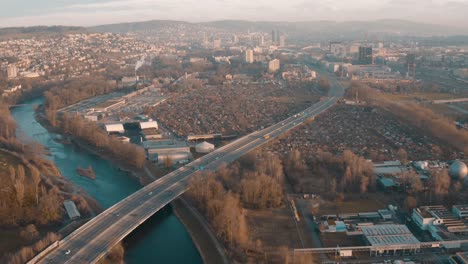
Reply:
x=67, y=252
x=150, y=193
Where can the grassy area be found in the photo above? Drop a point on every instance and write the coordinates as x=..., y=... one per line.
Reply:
x=275, y=228
x=371, y=203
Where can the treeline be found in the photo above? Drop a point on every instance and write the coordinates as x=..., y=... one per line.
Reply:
x=27, y=199
x=334, y=174
x=92, y=134
x=417, y=116
x=75, y=90
x=223, y=197
x=440, y=188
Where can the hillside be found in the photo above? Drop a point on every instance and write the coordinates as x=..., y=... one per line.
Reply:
x=391, y=27
x=37, y=31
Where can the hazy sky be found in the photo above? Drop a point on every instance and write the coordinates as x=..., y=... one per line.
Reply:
x=94, y=12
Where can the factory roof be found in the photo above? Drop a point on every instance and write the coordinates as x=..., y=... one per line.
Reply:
x=381, y=235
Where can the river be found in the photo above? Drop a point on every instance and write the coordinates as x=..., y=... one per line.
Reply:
x=162, y=239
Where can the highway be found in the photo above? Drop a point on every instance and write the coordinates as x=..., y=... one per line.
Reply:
x=92, y=241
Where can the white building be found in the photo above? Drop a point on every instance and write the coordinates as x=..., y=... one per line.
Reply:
x=12, y=71
x=204, y=147
x=161, y=150
x=148, y=125
x=274, y=65
x=426, y=216
x=114, y=128
x=249, y=56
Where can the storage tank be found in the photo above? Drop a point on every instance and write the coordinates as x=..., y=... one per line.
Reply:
x=458, y=170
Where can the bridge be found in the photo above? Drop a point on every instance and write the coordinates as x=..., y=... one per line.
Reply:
x=93, y=240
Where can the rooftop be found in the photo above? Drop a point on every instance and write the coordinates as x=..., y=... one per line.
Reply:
x=381, y=235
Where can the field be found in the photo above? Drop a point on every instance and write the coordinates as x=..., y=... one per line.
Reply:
x=276, y=228
x=356, y=203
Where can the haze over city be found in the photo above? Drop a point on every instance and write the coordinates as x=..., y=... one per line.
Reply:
x=94, y=12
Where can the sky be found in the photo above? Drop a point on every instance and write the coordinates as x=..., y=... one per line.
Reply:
x=97, y=12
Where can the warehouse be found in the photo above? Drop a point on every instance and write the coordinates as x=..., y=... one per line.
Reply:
x=161, y=150
x=114, y=128
x=204, y=147
x=148, y=125
x=391, y=238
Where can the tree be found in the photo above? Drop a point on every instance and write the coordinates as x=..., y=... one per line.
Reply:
x=411, y=203
x=402, y=156
x=19, y=185
x=439, y=183
x=36, y=179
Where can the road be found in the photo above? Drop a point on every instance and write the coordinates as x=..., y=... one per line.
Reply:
x=93, y=240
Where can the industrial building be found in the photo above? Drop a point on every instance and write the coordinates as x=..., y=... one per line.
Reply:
x=71, y=209
x=161, y=150
x=148, y=125
x=461, y=211
x=390, y=238
x=114, y=128
x=442, y=224
x=204, y=147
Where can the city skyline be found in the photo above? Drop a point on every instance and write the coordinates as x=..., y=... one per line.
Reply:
x=96, y=12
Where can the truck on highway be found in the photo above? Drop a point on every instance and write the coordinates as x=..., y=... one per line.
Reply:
x=267, y=136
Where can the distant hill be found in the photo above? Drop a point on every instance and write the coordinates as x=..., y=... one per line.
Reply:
x=137, y=26
x=21, y=32
x=394, y=27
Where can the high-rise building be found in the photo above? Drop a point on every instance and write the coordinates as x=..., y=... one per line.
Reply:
x=274, y=65
x=12, y=71
x=365, y=55
x=282, y=41
x=273, y=36
x=249, y=56
x=278, y=36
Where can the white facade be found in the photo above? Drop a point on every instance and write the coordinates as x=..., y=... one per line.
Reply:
x=148, y=124
x=249, y=56
x=204, y=147
x=115, y=128
x=274, y=65
x=12, y=71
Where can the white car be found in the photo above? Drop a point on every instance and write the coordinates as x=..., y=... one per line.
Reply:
x=150, y=193
x=67, y=252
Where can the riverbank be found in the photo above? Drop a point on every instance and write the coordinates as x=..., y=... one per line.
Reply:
x=209, y=247
x=200, y=236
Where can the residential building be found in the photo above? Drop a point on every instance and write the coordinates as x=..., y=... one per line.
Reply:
x=274, y=65
x=249, y=56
